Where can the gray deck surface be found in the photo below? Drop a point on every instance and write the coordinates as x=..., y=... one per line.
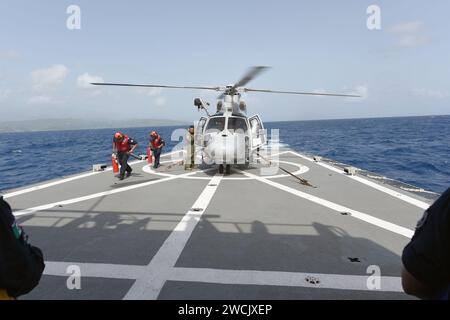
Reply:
x=253, y=238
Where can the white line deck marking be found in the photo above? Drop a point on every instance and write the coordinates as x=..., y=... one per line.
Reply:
x=158, y=271
x=95, y=270
x=301, y=170
x=285, y=279
x=95, y=195
x=47, y=185
x=55, y=183
x=395, y=194
x=150, y=279
x=235, y=277
x=337, y=207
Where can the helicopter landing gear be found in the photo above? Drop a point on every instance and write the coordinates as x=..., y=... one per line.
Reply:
x=226, y=168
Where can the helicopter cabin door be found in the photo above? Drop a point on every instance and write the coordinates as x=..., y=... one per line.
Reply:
x=257, y=132
x=198, y=136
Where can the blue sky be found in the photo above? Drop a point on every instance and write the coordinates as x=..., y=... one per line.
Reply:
x=402, y=69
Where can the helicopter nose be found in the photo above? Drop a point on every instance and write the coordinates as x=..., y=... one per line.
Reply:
x=226, y=149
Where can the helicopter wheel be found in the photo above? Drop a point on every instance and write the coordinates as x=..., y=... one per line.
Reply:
x=221, y=168
x=228, y=169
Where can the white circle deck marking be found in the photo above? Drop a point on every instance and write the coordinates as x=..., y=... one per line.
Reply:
x=301, y=170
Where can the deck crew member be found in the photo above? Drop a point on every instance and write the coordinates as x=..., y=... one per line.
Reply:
x=426, y=259
x=21, y=264
x=121, y=148
x=190, y=148
x=156, y=144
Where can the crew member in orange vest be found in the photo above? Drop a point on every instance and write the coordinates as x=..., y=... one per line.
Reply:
x=121, y=148
x=156, y=143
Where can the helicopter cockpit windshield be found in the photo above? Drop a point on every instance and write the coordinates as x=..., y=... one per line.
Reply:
x=237, y=125
x=215, y=124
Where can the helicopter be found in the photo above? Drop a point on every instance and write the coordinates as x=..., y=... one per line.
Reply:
x=229, y=137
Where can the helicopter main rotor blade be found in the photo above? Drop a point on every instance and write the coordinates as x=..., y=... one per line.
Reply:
x=250, y=75
x=154, y=86
x=302, y=93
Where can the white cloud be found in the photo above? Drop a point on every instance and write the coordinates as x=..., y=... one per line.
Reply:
x=430, y=93
x=409, y=34
x=50, y=78
x=84, y=81
x=412, y=40
x=360, y=90
x=45, y=82
x=159, y=100
x=407, y=27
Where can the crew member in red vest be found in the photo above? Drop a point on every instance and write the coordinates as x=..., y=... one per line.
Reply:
x=156, y=143
x=121, y=148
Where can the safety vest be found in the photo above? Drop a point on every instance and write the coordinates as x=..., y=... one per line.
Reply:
x=124, y=145
x=156, y=143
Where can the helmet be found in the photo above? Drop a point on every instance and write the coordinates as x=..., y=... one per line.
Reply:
x=118, y=136
x=153, y=134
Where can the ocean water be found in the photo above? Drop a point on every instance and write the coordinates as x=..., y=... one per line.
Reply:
x=414, y=150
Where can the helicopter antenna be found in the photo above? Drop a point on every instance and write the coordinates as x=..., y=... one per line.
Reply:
x=200, y=104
